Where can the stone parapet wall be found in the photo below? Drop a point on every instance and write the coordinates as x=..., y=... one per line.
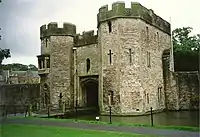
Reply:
x=52, y=30
x=136, y=11
x=87, y=38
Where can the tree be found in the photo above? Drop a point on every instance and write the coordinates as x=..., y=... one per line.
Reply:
x=183, y=41
x=186, y=49
x=4, y=53
x=18, y=67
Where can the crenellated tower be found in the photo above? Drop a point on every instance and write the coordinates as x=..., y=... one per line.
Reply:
x=131, y=42
x=55, y=63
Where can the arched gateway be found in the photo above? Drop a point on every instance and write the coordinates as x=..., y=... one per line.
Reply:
x=89, y=92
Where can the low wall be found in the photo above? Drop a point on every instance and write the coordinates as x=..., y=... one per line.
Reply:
x=183, y=93
x=19, y=96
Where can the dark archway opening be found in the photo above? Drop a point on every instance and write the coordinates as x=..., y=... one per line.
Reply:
x=91, y=88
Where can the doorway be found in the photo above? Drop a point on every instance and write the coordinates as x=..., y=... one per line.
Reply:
x=90, y=94
x=91, y=89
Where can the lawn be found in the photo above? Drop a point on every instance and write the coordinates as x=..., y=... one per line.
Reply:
x=183, y=128
x=10, y=130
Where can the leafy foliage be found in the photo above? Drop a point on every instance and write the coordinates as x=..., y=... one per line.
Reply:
x=183, y=41
x=186, y=49
x=4, y=53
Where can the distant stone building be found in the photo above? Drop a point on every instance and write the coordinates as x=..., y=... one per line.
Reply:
x=20, y=77
x=120, y=66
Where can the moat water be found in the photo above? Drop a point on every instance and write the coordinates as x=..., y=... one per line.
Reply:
x=177, y=118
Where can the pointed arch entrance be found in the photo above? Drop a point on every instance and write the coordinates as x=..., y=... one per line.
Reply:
x=46, y=94
x=89, y=92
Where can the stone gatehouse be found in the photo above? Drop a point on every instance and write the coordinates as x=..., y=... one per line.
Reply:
x=121, y=65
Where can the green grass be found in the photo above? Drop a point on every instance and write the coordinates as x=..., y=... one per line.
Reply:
x=11, y=130
x=171, y=127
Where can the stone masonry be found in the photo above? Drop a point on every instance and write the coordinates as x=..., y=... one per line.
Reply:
x=124, y=59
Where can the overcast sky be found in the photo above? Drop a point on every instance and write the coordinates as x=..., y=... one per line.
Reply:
x=20, y=20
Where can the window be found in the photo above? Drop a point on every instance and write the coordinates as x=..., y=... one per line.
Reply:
x=158, y=94
x=88, y=64
x=130, y=56
x=109, y=26
x=48, y=63
x=148, y=98
x=39, y=64
x=148, y=59
x=111, y=95
x=45, y=86
x=158, y=38
x=43, y=64
x=46, y=42
x=147, y=33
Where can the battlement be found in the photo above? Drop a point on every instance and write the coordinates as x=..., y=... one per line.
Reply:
x=136, y=11
x=52, y=30
x=86, y=38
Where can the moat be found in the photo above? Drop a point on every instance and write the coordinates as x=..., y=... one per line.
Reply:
x=176, y=118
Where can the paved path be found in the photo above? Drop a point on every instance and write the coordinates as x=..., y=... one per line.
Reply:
x=137, y=130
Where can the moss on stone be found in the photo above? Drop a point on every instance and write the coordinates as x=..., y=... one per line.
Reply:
x=118, y=8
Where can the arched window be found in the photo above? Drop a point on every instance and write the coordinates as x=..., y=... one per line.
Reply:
x=109, y=26
x=88, y=64
x=45, y=86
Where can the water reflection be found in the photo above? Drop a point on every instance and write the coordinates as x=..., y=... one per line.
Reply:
x=180, y=118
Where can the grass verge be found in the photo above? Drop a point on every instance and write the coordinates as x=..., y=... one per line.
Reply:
x=171, y=127
x=12, y=130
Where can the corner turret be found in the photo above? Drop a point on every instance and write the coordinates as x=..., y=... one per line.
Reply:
x=52, y=30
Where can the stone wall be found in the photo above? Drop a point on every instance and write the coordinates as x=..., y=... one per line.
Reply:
x=109, y=73
x=153, y=42
x=131, y=89
x=61, y=70
x=87, y=60
x=20, y=95
x=132, y=81
x=184, y=93
x=90, y=52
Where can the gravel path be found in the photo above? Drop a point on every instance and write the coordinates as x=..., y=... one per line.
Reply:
x=137, y=130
